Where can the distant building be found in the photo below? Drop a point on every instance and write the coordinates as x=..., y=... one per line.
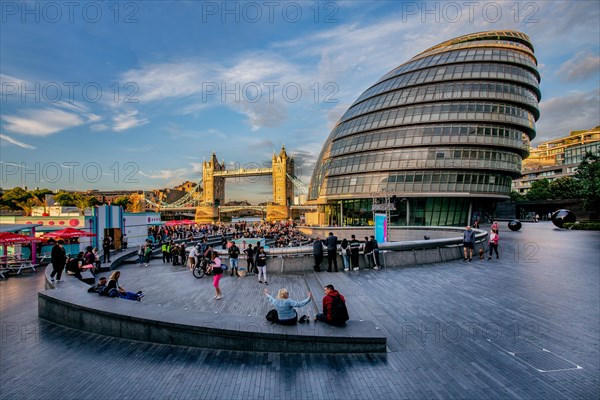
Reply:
x=186, y=186
x=108, y=196
x=557, y=158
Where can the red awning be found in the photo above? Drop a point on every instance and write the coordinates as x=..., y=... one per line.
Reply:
x=68, y=233
x=9, y=238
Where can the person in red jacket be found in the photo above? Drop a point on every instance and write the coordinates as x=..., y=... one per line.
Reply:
x=328, y=315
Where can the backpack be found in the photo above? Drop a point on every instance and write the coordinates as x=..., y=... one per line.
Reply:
x=339, y=312
x=272, y=315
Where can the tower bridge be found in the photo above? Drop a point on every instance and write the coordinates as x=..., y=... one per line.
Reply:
x=207, y=202
x=215, y=173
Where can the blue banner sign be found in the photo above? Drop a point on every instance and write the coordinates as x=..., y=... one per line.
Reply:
x=380, y=228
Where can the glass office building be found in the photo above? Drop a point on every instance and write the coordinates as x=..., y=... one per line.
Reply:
x=445, y=133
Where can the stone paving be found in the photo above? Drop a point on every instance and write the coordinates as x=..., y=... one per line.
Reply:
x=524, y=326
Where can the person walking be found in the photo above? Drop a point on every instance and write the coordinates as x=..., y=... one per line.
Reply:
x=147, y=255
x=58, y=257
x=286, y=315
x=261, y=264
x=164, y=253
x=217, y=270
x=318, y=254
x=345, y=253
x=192, y=258
x=494, y=239
x=140, y=253
x=234, y=253
x=106, y=249
x=468, y=243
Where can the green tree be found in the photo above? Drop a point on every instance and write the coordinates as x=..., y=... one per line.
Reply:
x=41, y=193
x=588, y=175
x=540, y=190
x=28, y=204
x=94, y=202
x=82, y=202
x=11, y=197
x=123, y=201
x=516, y=196
x=564, y=188
x=66, y=199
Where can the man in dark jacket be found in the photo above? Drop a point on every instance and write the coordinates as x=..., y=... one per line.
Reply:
x=354, y=248
x=327, y=315
x=58, y=258
x=331, y=243
x=74, y=265
x=234, y=253
x=318, y=253
x=106, y=249
x=375, y=250
x=368, y=251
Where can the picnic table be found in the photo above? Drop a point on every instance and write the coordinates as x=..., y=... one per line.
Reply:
x=14, y=263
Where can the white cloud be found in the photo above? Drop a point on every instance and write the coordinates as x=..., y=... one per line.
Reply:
x=176, y=176
x=168, y=80
x=41, y=122
x=127, y=120
x=581, y=67
x=575, y=111
x=99, y=127
x=16, y=142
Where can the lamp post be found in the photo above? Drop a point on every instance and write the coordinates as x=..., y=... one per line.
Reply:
x=91, y=221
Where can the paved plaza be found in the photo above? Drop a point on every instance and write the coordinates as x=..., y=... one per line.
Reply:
x=524, y=326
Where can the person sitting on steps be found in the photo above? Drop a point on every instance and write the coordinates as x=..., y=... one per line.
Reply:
x=334, y=308
x=286, y=315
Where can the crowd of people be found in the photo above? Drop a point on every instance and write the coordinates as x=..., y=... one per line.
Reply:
x=349, y=250
x=334, y=309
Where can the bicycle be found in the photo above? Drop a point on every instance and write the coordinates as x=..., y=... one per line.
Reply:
x=201, y=268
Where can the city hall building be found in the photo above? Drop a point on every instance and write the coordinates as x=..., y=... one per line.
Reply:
x=442, y=136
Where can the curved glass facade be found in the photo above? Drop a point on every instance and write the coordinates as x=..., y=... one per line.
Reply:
x=446, y=132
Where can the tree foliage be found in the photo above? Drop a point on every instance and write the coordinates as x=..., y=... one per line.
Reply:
x=123, y=201
x=66, y=199
x=566, y=187
x=516, y=196
x=11, y=197
x=540, y=190
x=588, y=175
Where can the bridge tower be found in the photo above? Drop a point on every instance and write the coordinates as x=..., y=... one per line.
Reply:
x=283, y=191
x=213, y=194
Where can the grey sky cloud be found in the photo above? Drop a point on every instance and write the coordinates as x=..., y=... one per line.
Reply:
x=581, y=67
x=575, y=111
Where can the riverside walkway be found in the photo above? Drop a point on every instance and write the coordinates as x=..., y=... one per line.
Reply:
x=524, y=326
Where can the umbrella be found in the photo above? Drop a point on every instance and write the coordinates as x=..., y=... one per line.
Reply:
x=68, y=233
x=9, y=238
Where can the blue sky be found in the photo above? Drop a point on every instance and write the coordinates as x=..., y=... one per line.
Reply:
x=131, y=95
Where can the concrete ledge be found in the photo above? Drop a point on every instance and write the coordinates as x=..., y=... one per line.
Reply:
x=71, y=306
